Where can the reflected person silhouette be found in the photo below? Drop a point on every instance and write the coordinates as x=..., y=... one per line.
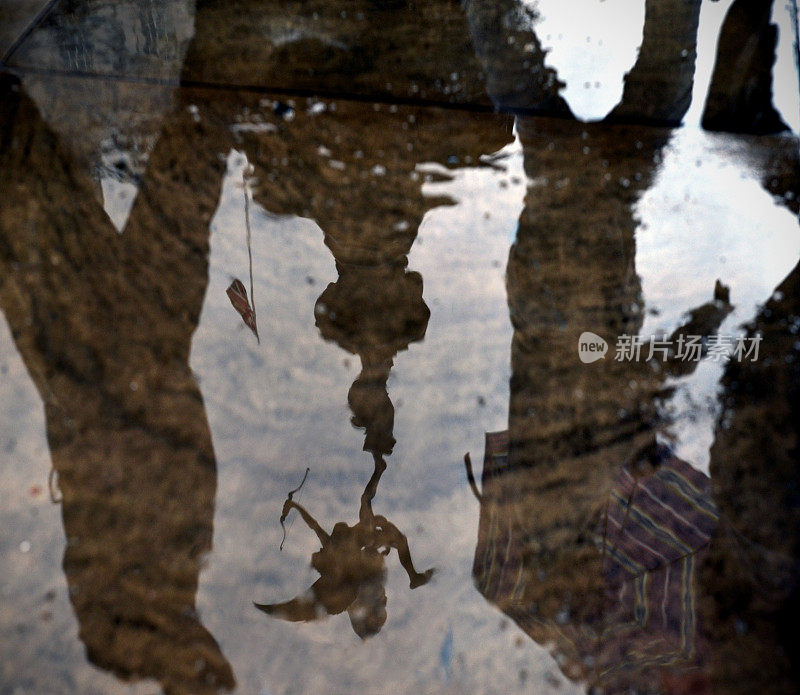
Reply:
x=351, y=565
x=658, y=88
x=374, y=312
x=104, y=323
x=558, y=479
x=561, y=514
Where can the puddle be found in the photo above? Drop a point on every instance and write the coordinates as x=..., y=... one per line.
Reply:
x=256, y=310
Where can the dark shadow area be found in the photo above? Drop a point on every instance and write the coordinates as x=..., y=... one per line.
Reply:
x=751, y=577
x=658, y=89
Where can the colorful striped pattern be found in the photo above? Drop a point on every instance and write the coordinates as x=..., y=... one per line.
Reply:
x=657, y=520
x=649, y=540
x=651, y=536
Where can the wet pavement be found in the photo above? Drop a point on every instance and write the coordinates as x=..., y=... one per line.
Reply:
x=268, y=271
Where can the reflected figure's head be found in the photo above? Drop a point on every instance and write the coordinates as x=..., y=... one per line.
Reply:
x=368, y=612
x=374, y=312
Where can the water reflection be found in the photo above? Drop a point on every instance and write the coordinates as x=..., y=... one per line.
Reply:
x=658, y=89
x=627, y=617
x=513, y=58
x=104, y=324
x=351, y=562
x=740, y=94
x=751, y=579
x=593, y=535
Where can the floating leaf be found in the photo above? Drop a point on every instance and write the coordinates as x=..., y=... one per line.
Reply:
x=238, y=296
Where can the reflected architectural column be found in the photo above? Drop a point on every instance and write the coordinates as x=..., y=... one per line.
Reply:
x=104, y=324
x=572, y=269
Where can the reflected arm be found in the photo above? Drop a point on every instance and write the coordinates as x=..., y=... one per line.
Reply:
x=310, y=521
x=391, y=536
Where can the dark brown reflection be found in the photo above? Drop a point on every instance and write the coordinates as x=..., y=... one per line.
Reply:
x=579, y=476
x=751, y=579
x=572, y=269
x=658, y=89
x=353, y=169
x=104, y=323
x=373, y=312
x=513, y=58
x=399, y=49
x=740, y=94
x=594, y=537
x=352, y=567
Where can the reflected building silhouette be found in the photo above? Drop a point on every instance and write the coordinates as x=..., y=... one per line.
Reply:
x=103, y=323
